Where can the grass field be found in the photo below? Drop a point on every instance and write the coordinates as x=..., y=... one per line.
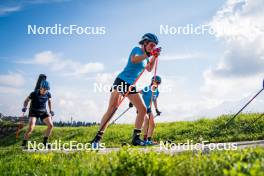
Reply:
x=249, y=161
x=124, y=162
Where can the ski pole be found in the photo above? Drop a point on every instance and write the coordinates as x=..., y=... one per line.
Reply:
x=254, y=121
x=155, y=74
x=229, y=121
x=120, y=116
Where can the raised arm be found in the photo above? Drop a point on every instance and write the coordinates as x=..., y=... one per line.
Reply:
x=155, y=53
x=138, y=58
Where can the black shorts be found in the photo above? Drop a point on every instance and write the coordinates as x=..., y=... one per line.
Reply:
x=149, y=110
x=38, y=114
x=123, y=87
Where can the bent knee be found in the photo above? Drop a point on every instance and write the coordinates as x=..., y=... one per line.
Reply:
x=142, y=110
x=30, y=129
x=50, y=126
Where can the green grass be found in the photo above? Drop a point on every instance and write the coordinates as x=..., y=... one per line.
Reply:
x=14, y=161
x=178, y=132
x=133, y=162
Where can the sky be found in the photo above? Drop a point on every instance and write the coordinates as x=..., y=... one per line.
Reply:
x=203, y=75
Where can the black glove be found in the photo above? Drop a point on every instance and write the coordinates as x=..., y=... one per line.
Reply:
x=24, y=109
x=158, y=112
x=52, y=113
x=130, y=105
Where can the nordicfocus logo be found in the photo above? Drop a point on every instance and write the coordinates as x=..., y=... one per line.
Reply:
x=100, y=87
x=68, y=146
x=192, y=29
x=168, y=146
x=188, y=29
x=59, y=29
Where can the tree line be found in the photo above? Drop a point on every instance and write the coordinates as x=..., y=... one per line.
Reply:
x=14, y=120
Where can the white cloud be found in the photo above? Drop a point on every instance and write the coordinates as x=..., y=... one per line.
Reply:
x=8, y=90
x=6, y=10
x=88, y=68
x=9, y=7
x=244, y=38
x=239, y=20
x=77, y=104
x=241, y=67
x=222, y=88
x=105, y=78
x=42, y=58
x=66, y=66
x=233, y=106
x=45, y=57
x=239, y=72
x=181, y=56
x=12, y=79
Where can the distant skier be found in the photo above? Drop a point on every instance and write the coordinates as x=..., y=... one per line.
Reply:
x=150, y=95
x=38, y=98
x=137, y=60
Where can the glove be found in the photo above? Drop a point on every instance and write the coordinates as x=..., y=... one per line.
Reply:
x=158, y=112
x=24, y=109
x=130, y=105
x=52, y=113
x=156, y=52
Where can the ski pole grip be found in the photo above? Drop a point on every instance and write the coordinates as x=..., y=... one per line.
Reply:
x=130, y=105
x=156, y=51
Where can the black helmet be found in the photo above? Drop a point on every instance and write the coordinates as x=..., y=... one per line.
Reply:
x=149, y=37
